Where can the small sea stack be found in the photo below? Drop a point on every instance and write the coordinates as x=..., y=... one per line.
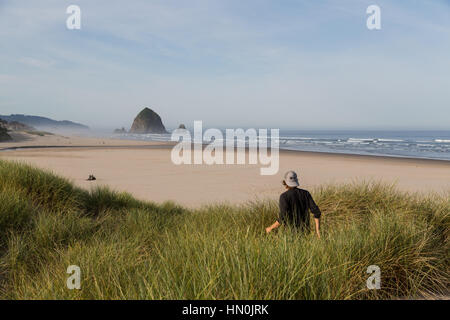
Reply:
x=120, y=131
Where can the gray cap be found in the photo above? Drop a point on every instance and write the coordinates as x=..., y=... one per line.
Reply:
x=290, y=178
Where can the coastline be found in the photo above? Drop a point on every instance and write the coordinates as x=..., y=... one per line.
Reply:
x=144, y=169
x=168, y=144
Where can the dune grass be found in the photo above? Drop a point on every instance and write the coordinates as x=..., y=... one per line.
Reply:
x=130, y=249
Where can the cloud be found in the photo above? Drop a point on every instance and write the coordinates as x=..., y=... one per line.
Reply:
x=37, y=63
x=215, y=60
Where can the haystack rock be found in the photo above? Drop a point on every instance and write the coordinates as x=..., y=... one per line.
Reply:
x=147, y=121
x=181, y=126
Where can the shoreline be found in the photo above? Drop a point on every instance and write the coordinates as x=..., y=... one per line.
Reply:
x=167, y=145
x=368, y=156
x=145, y=170
x=34, y=142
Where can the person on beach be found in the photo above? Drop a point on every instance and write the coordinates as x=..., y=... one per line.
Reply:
x=294, y=206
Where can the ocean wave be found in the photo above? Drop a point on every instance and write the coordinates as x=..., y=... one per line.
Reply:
x=295, y=138
x=360, y=140
x=390, y=140
x=437, y=147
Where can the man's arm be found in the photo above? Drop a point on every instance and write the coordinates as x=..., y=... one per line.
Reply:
x=317, y=223
x=282, y=204
x=316, y=211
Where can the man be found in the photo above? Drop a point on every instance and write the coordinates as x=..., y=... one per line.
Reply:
x=294, y=206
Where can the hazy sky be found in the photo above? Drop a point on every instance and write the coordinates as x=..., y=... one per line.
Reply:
x=253, y=63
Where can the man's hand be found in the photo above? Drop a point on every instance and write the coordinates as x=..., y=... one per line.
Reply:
x=274, y=226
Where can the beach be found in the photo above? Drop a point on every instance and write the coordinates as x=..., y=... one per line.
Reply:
x=145, y=170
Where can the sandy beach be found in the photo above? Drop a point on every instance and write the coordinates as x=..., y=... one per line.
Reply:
x=145, y=170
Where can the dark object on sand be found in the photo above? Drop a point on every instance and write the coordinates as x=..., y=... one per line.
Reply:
x=147, y=121
x=91, y=178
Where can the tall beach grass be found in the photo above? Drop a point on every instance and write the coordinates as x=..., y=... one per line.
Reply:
x=130, y=249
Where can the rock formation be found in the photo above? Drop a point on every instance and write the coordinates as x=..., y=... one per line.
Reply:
x=43, y=123
x=147, y=121
x=15, y=126
x=18, y=126
x=4, y=136
x=120, y=131
x=182, y=126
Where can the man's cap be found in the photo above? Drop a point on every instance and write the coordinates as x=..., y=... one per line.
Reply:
x=291, y=179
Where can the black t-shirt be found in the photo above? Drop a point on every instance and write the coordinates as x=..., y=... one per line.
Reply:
x=294, y=206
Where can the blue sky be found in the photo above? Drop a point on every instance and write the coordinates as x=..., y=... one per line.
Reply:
x=255, y=63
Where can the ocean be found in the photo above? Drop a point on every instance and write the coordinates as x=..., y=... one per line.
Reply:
x=407, y=144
